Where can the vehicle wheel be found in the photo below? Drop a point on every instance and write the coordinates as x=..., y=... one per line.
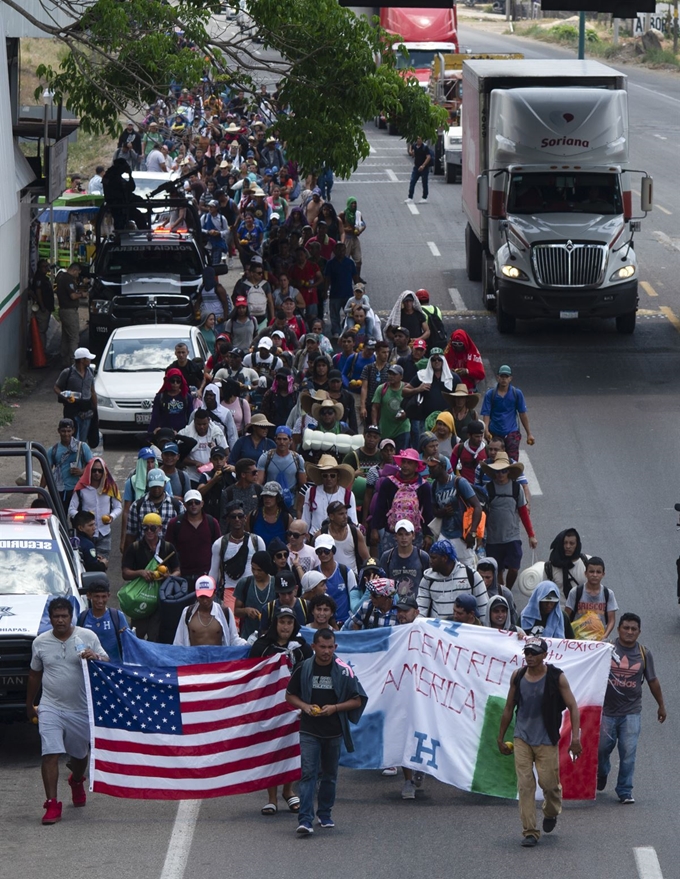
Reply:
x=473, y=255
x=488, y=282
x=505, y=322
x=439, y=157
x=625, y=323
x=392, y=129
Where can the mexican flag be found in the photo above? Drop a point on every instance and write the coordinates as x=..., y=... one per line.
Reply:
x=436, y=692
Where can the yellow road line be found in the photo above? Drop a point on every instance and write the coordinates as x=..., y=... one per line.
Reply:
x=672, y=317
x=647, y=287
x=664, y=210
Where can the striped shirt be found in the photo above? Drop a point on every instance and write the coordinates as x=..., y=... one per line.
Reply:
x=437, y=594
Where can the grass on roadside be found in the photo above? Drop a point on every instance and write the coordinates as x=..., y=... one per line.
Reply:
x=13, y=389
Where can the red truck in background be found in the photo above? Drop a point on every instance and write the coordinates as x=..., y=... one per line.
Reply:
x=425, y=33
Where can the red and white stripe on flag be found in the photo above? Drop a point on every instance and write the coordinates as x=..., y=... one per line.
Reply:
x=235, y=734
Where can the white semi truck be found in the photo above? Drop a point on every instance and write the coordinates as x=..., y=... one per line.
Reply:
x=547, y=191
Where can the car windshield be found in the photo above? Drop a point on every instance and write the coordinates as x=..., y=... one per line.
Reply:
x=564, y=194
x=143, y=355
x=173, y=259
x=31, y=571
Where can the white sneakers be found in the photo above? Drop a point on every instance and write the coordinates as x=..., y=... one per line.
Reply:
x=408, y=201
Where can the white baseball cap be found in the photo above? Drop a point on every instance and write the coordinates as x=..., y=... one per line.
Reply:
x=402, y=523
x=265, y=342
x=324, y=541
x=192, y=495
x=311, y=580
x=84, y=354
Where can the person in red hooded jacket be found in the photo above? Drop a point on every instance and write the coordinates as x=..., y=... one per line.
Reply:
x=464, y=358
x=172, y=405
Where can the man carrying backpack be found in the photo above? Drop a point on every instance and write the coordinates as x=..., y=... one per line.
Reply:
x=445, y=580
x=457, y=505
x=105, y=622
x=283, y=466
x=435, y=321
x=406, y=495
x=505, y=508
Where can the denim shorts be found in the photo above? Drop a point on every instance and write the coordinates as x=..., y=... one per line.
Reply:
x=508, y=555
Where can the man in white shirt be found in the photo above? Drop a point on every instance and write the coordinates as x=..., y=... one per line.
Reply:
x=155, y=161
x=207, y=434
x=96, y=184
x=329, y=481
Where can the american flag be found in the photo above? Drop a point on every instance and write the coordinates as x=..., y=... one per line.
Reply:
x=191, y=732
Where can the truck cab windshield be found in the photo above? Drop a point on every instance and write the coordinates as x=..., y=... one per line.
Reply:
x=564, y=194
x=417, y=58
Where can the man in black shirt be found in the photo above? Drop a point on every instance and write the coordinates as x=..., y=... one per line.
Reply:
x=43, y=296
x=69, y=297
x=329, y=697
x=422, y=160
x=191, y=371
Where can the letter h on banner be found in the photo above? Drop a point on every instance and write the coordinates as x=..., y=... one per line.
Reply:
x=422, y=748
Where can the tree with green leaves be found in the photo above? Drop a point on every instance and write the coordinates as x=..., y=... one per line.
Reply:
x=125, y=54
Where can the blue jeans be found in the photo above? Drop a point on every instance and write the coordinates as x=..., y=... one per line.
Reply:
x=335, y=306
x=318, y=754
x=82, y=426
x=624, y=731
x=424, y=176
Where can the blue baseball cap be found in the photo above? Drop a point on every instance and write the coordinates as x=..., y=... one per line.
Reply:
x=147, y=453
x=171, y=447
x=467, y=602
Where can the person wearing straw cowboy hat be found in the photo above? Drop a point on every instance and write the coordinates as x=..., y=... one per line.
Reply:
x=328, y=416
x=506, y=507
x=255, y=441
x=463, y=406
x=329, y=481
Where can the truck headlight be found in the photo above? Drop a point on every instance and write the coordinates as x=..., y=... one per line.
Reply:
x=622, y=273
x=100, y=306
x=514, y=273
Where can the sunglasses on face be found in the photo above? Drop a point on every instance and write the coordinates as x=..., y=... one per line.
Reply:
x=175, y=381
x=149, y=527
x=193, y=503
x=281, y=555
x=296, y=534
x=324, y=551
x=237, y=516
x=96, y=470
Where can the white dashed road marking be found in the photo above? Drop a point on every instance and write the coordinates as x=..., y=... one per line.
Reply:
x=530, y=473
x=414, y=210
x=180, y=839
x=647, y=862
x=457, y=299
x=393, y=177
x=433, y=248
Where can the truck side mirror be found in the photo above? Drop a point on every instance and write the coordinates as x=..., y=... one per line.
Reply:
x=483, y=193
x=647, y=193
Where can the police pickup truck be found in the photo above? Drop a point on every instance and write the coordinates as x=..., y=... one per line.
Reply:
x=37, y=563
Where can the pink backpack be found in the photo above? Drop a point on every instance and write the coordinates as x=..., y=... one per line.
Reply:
x=405, y=504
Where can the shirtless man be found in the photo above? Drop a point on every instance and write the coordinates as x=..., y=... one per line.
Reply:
x=205, y=622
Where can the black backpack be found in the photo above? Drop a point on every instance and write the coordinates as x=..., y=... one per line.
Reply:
x=438, y=337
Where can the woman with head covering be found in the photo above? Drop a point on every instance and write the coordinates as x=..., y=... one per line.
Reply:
x=329, y=215
x=464, y=358
x=207, y=328
x=430, y=384
x=218, y=413
x=444, y=429
x=172, y=405
x=282, y=636
x=97, y=492
x=566, y=565
x=543, y=615
x=408, y=313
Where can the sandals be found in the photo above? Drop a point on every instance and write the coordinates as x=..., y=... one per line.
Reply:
x=269, y=809
x=293, y=803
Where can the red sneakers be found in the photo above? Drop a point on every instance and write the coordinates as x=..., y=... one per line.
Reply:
x=52, y=813
x=78, y=794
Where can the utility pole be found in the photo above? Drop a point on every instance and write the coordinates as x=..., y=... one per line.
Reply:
x=582, y=35
x=675, y=27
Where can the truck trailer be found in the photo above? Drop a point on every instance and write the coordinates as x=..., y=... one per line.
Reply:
x=547, y=191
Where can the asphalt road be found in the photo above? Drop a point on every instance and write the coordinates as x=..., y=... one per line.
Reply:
x=603, y=408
